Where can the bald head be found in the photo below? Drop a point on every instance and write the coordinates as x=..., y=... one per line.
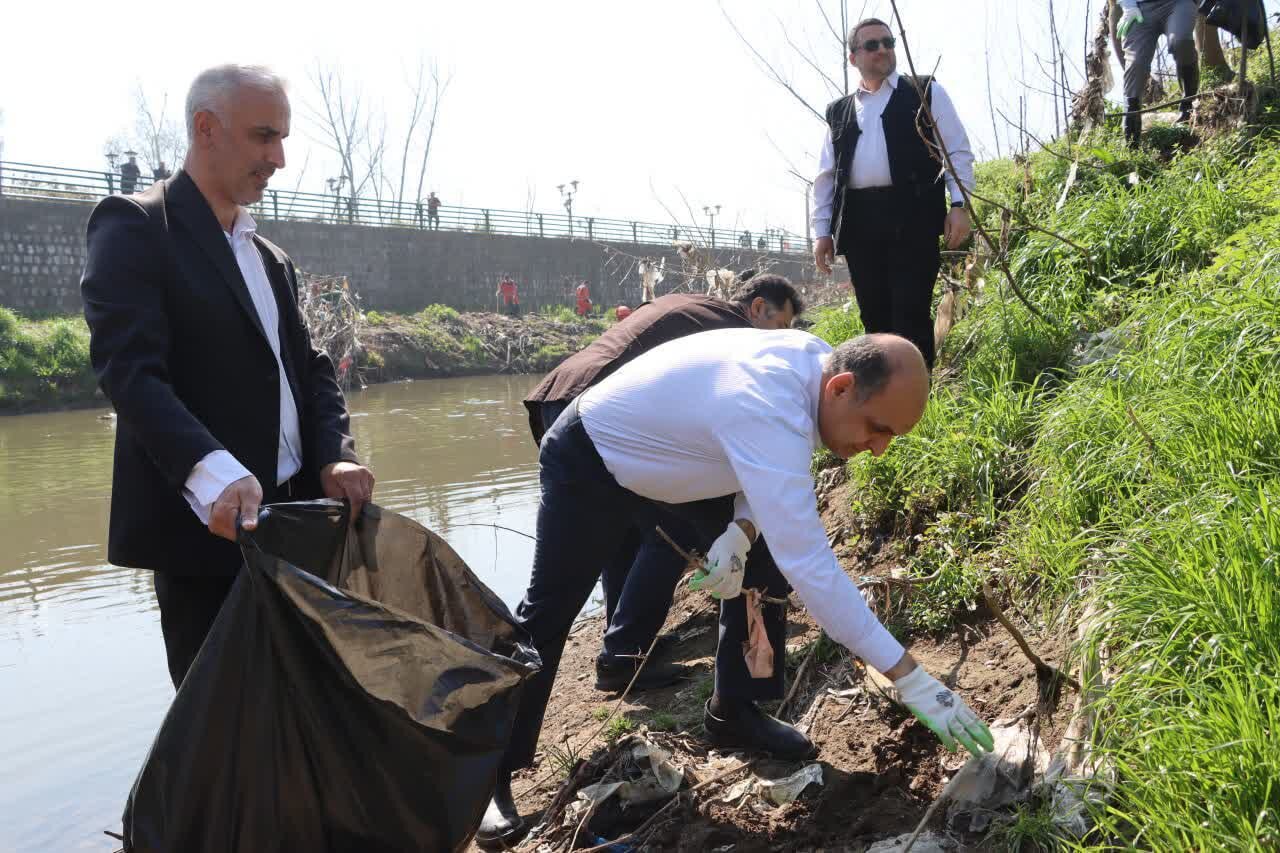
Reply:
x=875, y=388
x=877, y=360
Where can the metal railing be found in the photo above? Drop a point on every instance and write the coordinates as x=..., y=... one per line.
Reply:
x=55, y=183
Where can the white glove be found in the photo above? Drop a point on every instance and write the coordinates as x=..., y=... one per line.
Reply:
x=726, y=562
x=1131, y=15
x=943, y=712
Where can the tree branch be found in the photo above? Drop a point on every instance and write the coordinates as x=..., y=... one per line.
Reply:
x=964, y=191
x=768, y=66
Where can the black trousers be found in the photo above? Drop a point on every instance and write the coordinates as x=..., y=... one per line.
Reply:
x=190, y=603
x=582, y=518
x=639, y=578
x=188, y=606
x=891, y=244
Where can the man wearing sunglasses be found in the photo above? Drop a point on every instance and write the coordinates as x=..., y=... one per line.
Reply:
x=880, y=195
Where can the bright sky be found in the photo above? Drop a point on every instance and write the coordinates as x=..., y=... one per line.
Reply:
x=646, y=104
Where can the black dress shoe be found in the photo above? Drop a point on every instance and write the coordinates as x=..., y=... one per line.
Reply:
x=747, y=727
x=613, y=674
x=502, y=826
x=666, y=644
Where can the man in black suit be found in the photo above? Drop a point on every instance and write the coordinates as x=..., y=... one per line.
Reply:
x=197, y=341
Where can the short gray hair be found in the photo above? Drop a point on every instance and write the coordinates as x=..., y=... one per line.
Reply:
x=864, y=357
x=213, y=87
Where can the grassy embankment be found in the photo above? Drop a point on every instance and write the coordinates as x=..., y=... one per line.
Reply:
x=1145, y=483
x=44, y=363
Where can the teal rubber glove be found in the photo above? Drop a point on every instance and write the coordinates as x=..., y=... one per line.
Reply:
x=945, y=713
x=1132, y=15
x=725, y=565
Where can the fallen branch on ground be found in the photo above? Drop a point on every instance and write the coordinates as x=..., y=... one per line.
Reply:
x=1043, y=670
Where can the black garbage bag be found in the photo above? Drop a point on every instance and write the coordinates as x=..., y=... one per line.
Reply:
x=355, y=694
x=1244, y=19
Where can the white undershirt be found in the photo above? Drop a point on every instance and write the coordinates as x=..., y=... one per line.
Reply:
x=219, y=469
x=734, y=412
x=871, y=157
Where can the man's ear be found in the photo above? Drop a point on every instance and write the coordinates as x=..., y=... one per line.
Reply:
x=841, y=384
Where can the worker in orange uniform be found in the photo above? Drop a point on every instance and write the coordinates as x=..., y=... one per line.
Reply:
x=510, y=295
x=584, y=300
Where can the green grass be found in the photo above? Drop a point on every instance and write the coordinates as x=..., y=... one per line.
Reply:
x=44, y=362
x=560, y=314
x=617, y=727
x=549, y=355
x=437, y=314
x=1028, y=829
x=1147, y=483
x=663, y=722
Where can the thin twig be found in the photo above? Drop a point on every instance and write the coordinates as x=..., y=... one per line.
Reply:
x=928, y=814
x=689, y=558
x=804, y=665
x=1028, y=224
x=964, y=191
x=1042, y=668
x=1133, y=418
x=497, y=526
x=1158, y=107
x=605, y=722
x=768, y=67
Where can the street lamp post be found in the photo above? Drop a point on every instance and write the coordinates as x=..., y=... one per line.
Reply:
x=335, y=187
x=566, y=195
x=112, y=156
x=711, y=211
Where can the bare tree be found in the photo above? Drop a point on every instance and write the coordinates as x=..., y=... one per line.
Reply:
x=163, y=140
x=156, y=136
x=814, y=60
x=350, y=129
x=438, y=88
x=358, y=131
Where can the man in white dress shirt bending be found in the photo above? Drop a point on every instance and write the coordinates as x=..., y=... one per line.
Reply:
x=719, y=428
x=880, y=195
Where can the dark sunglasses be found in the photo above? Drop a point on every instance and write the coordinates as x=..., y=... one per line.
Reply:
x=872, y=45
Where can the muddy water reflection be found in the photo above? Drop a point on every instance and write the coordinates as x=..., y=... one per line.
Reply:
x=83, y=684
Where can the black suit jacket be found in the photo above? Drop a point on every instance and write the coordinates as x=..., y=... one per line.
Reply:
x=179, y=351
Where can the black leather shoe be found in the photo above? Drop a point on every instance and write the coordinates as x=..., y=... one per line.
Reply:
x=666, y=644
x=502, y=826
x=614, y=674
x=747, y=727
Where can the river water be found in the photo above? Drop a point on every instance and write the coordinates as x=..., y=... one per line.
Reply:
x=83, y=684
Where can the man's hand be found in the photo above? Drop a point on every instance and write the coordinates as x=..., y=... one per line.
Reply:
x=348, y=480
x=957, y=228
x=1132, y=15
x=943, y=712
x=242, y=498
x=824, y=253
x=726, y=563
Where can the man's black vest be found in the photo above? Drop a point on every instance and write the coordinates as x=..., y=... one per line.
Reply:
x=917, y=174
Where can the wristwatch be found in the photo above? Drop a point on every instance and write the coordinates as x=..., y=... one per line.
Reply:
x=955, y=204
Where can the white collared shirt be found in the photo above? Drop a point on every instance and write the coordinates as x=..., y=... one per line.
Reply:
x=219, y=469
x=735, y=412
x=871, y=158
